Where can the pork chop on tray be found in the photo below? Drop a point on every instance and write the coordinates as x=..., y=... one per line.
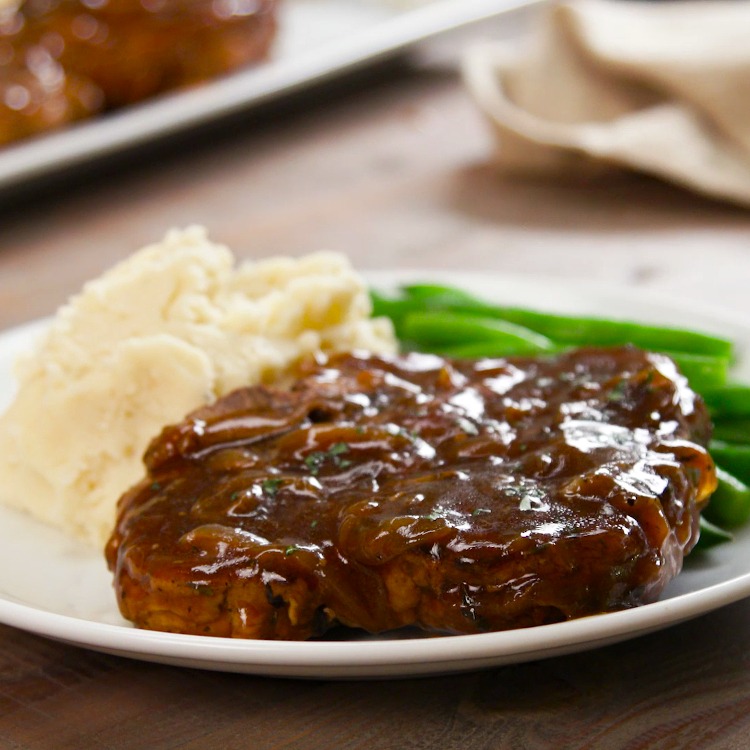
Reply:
x=382, y=492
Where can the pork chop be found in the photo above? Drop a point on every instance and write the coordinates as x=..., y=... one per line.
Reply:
x=382, y=492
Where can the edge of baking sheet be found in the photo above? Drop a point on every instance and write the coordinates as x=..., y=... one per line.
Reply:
x=180, y=111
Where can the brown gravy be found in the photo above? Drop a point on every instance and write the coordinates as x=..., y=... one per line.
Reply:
x=456, y=496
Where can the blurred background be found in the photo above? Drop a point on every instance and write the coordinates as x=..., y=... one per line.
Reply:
x=603, y=142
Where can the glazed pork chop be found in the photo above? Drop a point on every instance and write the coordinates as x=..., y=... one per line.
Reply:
x=382, y=492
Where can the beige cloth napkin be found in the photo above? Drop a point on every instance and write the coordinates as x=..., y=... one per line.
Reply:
x=662, y=88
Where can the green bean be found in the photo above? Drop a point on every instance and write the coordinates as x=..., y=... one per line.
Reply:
x=729, y=400
x=732, y=458
x=437, y=331
x=730, y=504
x=711, y=535
x=600, y=332
x=574, y=330
x=422, y=297
x=703, y=372
x=732, y=430
x=437, y=296
x=568, y=329
x=390, y=307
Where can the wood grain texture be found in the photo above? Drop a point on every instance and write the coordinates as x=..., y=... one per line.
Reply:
x=396, y=174
x=686, y=687
x=394, y=170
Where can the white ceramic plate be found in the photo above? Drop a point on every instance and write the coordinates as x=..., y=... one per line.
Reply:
x=51, y=586
x=318, y=39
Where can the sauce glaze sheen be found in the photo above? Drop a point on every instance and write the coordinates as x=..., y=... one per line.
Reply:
x=455, y=496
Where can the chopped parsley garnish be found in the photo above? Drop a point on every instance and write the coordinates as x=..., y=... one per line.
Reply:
x=337, y=449
x=617, y=394
x=315, y=460
x=271, y=487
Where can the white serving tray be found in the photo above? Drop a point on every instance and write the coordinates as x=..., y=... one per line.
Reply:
x=318, y=40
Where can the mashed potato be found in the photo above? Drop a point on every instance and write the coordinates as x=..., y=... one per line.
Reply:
x=171, y=328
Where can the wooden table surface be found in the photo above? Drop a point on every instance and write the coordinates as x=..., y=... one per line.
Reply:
x=392, y=168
